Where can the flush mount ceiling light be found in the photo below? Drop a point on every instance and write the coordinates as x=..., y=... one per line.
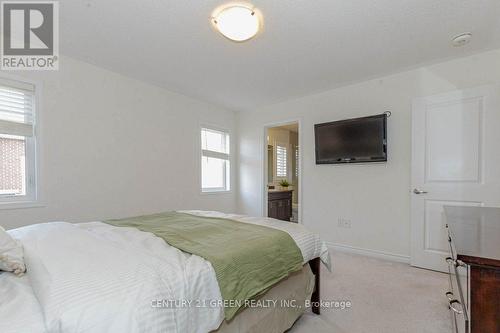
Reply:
x=237, y=22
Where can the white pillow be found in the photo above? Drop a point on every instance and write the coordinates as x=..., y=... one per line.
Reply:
x=11, y=254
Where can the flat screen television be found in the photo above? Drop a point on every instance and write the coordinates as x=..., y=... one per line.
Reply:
x=358, y=140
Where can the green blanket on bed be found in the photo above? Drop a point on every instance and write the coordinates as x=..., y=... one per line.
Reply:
x=248, y=259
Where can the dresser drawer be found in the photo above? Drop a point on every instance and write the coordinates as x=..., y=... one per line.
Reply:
x=458, y=291
x=457, y=298
x=474, y=258
x=457, y=322
x=451, y=244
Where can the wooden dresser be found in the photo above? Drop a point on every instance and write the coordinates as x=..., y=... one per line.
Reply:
x=474, y=267
x=279, y=204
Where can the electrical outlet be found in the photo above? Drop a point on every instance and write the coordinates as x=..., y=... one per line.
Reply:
x=344, y=223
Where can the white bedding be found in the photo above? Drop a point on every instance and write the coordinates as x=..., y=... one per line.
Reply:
x=93, y=277
x=19, y=308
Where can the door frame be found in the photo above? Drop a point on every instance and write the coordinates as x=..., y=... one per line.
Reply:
x=265, y=165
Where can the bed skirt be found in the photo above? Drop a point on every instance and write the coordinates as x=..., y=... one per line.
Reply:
x=299, y=286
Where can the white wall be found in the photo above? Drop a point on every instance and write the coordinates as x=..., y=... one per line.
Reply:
x=375, y=197
x=110, y=146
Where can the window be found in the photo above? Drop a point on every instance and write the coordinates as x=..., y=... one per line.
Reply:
x=281, y=158
x=17, y=141
x=215, y=168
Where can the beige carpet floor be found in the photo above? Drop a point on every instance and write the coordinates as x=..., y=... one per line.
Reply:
x=386, y=297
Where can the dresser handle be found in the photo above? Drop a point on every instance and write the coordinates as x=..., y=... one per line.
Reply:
x=451, y=303
x=449, y=296
x=456, y=263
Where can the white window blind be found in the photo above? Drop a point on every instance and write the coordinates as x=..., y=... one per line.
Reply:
x=215, y=168
x=281, y=161
x=16, y=108
x=17, y=141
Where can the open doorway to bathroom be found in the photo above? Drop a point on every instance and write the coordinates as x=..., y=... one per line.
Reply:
x=282, y=172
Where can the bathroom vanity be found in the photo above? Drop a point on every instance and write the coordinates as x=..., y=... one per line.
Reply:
x=279, y=204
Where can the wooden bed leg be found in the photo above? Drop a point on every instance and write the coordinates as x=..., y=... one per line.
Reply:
x=315, y=297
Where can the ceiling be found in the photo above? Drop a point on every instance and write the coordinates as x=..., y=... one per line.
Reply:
x=307, y=46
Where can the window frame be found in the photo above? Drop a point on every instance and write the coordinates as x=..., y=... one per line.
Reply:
x=227, y=157
x=30, y=198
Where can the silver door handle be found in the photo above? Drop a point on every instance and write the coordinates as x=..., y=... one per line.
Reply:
x=417, y=191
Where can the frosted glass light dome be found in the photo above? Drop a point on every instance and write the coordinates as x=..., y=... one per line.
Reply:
x=237, y=22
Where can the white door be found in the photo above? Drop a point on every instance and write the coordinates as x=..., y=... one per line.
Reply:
x=455, y=161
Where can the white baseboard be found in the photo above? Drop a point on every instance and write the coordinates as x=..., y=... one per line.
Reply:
x=369, y=253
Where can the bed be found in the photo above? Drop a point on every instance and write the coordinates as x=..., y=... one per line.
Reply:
x=96, y=277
